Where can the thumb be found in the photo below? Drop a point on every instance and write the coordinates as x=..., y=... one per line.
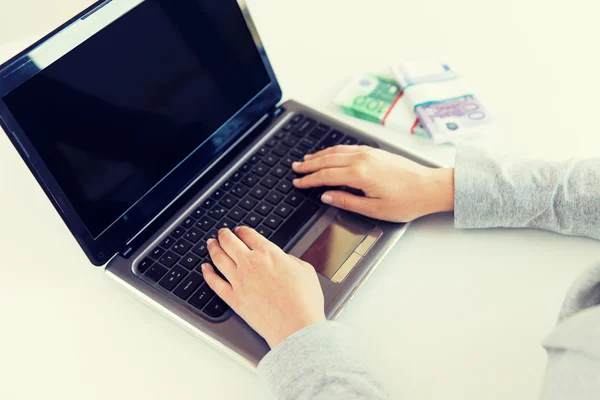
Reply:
x=347, y=201
x=220, y=286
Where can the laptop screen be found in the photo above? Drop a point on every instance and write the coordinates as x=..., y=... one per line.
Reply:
x=114, y=116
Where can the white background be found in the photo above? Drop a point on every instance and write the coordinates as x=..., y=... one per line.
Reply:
x=450, y=314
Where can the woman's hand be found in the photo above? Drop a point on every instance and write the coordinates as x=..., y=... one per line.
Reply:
x=396, y=189
x=276, y=294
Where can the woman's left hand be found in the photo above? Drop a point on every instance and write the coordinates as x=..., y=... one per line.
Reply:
x=275, y=293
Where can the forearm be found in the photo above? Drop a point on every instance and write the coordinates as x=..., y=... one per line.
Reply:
x=494, y=191
x=319, y=362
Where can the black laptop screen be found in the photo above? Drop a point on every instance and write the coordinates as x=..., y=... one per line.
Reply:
x=117, y=114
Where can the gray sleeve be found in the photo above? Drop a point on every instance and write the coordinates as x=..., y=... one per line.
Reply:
x=571, y=375
x=319, y=362
x=495, y=191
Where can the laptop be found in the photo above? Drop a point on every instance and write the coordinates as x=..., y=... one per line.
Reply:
x=152, y=124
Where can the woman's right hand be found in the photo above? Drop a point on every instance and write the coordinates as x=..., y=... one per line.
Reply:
x=396, y=189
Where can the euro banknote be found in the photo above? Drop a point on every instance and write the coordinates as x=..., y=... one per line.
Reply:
x=379, y=99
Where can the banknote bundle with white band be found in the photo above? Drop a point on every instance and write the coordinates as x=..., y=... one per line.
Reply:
x=442, y=100
x=428, y=99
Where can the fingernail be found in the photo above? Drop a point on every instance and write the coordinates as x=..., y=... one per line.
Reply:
x=204, y=266
x=209, y=241
x=307, y=156
x=296, y=164
x=295, y=181
x=327, y=199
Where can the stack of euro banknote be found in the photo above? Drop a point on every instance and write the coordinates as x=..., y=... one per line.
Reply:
x=427, y=99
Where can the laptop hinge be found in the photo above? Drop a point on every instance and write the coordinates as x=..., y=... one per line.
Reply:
x=188, y=194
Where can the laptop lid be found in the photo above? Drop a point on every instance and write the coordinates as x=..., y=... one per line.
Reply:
x=119, y=110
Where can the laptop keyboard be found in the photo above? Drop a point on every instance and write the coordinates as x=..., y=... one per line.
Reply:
x=260, y=194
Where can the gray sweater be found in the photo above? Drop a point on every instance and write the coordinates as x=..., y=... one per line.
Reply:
x=320, y=362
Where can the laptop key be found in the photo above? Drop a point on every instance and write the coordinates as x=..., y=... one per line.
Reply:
x=208, y=203
x=308, y=143
x=280, y=134
x=263, y=151
x=239, y=190
x=193, y=235
x=306, y=126
x=273, y=221
x=155, y=272
x=201, y=297
x=200, y=249
x=173, y=278
x=189, y=285
x=349, y=141
x=211, y=235
x=188, y=222
x=244, y=168
x=182, y=247
x=297, y=118
x=264, y=209
x=332, y=139
x=225, y=223
x=198, y=213
x=217, y=212
x=253, y=220
x=289, y=141
x=288, y=160
x=167, y=243
x=156, y=253
x=279, y=171
x=294, y=198
x=218, y=194
x=236, y=176
x=206, y=223
x=280, y=150
x=298, y=153
x=283, y=210
x=269, y=182
x=288, y=127
x=260, y=169
x=250, y=180
x=271, y=160
x=190, y=261
x=229, y=201
x=216, y=308
x=237, y=214
x=144, y=265
x=274, y=198
x=178, y=232
x=302, y=214
x=254, y=159
x=284, y=187
x=248, y=203
x=271, y=142
x=169, y=259
x=320, y=131
x=263, y=230
x=258, y=192
x=227, y=186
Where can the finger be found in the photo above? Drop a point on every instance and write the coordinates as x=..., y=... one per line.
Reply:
x=347, y=201
x=233, y=246
x=252, y=239
x=338, y=149
x=327, y=177
x=221, y=260
x=336, y=160
x=221, y=287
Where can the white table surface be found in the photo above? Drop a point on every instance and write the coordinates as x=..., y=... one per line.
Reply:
x=449, y=315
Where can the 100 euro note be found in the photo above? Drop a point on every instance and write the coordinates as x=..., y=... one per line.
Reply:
x=379, y=99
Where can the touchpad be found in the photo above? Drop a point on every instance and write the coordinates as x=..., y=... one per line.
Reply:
x=336, y=246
